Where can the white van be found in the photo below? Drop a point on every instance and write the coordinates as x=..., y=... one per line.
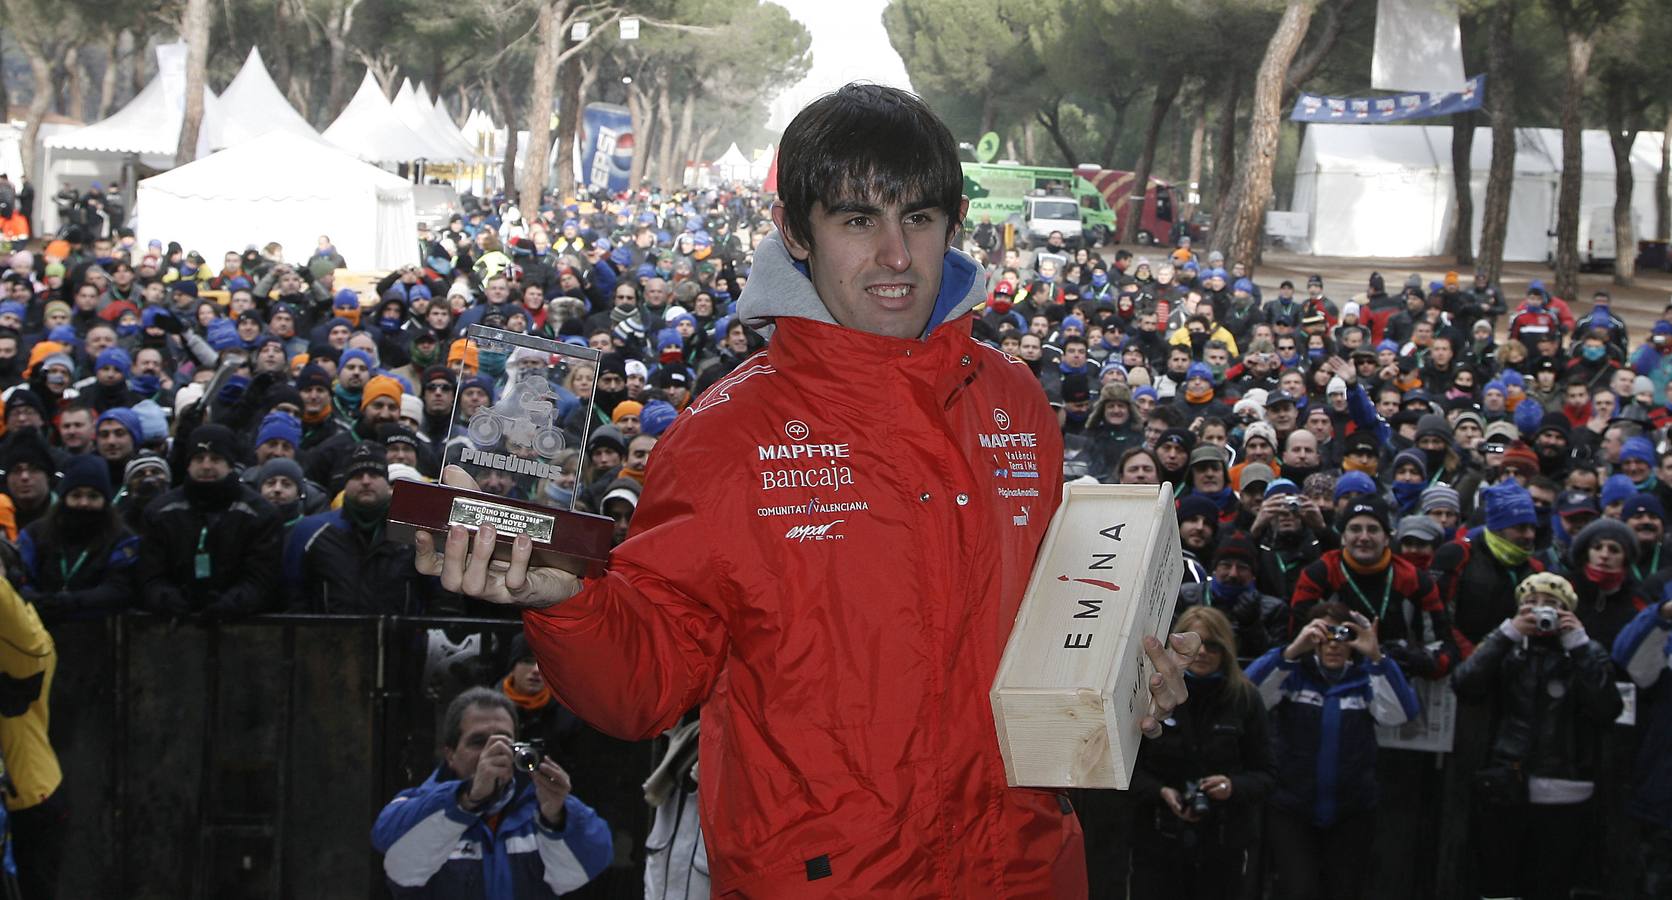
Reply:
x=1596, y=239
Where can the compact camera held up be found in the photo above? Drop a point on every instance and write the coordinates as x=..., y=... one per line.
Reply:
x=1195, y=799
x=1548, y=619
x=526, y=755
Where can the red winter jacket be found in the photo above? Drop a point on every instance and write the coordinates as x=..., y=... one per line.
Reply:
x=829, y=556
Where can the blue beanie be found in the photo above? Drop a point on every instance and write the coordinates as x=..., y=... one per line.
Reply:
x=1617, y=489
x=1280, y=486
x=667, y=338
x=345, y=298
x=1528, y=415
x=126, y=418
x=152, y=419
x=1153, y=394
x=1638, y=448
x=1413, y=456
x=1494, y=385
x=282, y=426
x=12, y=307
x=186, y=286
x=1197, y=506
x=1513, y=378
x=485, y=382
x=1199, y=370
x=683, y=317
x=114, y=356
x=85, y=470
x=64, y=334
x=355, y=353
x=238, y=283
x=622, y=257
x=656, y=416
x=1508, y=504
x=1642, y=502
x=1074, y=322
x=152, y=313
x=1387, y=345
x=1244, y=285
x=1661, y=326
x=1351, y=483
x=223, y=336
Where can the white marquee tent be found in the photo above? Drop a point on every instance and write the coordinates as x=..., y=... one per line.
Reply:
x=1386, y=190
x=284, y=188
x=732, y=165
x=371, y=129
x=252, y=106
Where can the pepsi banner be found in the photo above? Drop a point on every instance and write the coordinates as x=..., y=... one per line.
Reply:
x=606, y=147
x=1394, y=108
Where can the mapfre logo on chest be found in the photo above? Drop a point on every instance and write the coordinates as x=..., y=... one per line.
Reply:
x=810, y=463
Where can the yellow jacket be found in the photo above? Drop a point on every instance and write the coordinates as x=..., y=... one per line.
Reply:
x=27, y=662
x=1182, y=336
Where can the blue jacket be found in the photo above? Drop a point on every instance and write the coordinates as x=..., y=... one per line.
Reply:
x=1644, y=650
x=1324, y=731
x=433, y=848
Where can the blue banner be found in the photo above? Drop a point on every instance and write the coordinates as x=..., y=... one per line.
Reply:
x=606, y=145
x=1392, y=108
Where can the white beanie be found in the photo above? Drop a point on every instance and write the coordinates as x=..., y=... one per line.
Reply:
x=1336, y=386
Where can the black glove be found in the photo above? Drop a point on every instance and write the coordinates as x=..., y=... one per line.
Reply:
x=168, y=601
x=170, y=324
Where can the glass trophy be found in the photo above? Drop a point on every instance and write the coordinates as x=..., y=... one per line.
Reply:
x=508, y=435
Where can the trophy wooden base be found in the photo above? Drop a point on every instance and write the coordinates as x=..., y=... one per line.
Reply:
x=576, y=542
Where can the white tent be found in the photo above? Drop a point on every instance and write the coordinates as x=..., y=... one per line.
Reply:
x=252, y=106
x=1386, y=190
x=144, y=134
x=762, y=164
x=732, y=165
x=370, y=128
x=283, y=188
x=414, y=109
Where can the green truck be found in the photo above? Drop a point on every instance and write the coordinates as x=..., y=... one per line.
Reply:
x=1080, y=202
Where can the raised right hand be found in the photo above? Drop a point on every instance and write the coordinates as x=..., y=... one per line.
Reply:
x=493, y=772
x=466, y=565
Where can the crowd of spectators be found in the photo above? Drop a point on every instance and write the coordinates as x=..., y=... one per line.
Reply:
x=1436, y=485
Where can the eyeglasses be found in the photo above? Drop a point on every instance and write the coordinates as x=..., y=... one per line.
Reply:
x=439, y=387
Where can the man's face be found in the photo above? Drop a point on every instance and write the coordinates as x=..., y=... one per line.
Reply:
x=367, y=490
x=1282, y=417
x=638, y=452
x=381, y=411
x=656, y=293
x=99, y=340
x=1302, y=450
x=1233, y=572
x=1665, y=471
x=477, y=725
x=1195, y=533
x=207, y=467
x=1364, y=540
x=1208, y=477
x=1172, y=455
x=877, y=269
x=27, y=483
x=280, y=490
x=1577, y=395
x=86, y=298
x=1647, y=526
x=1550, y=444
x=497, y=290
x=1074, y=355
x=114, y=442
x=315, y=399
x=1318, y=422
x=75, y=428
x=354, y=374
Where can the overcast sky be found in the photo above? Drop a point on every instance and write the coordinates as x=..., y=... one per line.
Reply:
x=849, y=44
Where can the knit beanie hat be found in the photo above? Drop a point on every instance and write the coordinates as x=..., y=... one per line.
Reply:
x=1508, y=504
x=128, y=419
x=1611, y=529
x=1617, y=489
x=280, y=465
x=380, y=386
x=1547, y=583
x=114, y=356
x=85, y=470
x=656, y=417
x=281, y=426
x=1440, y=496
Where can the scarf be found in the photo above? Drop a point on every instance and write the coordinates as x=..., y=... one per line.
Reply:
x=348, y=401
x=317, y=418
x=367, y=521
x=1607, y=582
x=1223, y=499
x=1422, y=559
x=635, y=474
x=1197, y=398
x=1352, y=465
x=1380, y=565
x=530, y=702
x=1504, y=551
x=1224, y=593
x=1406, y=494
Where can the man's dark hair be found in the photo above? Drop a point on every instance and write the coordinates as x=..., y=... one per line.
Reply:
x=1073, y=339
x=1331, y=610
x=452, y=723
x=867, y=145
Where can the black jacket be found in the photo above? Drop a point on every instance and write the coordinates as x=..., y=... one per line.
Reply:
x=239, y=533
x=348, y=572
x=1551, y=707
x=77, y=578
x=1261, y=620
x=1221, y=731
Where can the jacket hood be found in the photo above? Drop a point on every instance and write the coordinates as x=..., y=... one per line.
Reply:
x=779, y=286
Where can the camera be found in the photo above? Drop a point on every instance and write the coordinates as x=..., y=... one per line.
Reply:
x=527, y=755
x=1547, y=619
x=1195, y=799
x=1340, y=633
x=1291, y=503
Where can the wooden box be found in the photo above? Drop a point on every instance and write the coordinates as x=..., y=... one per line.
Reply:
x=1074, y=678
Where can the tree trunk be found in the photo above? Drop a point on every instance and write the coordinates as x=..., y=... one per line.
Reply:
x=1030, y=150
x=641, y=137
x=139, y=72
x=1579, y=47
x=1225, y=152
x=1165, y=92
x=1198, y=141
x=1622, y=117
x=1053, y=127
x=700, y=150
x=668, y=178
x=1663, y=185
x=75, y=85
x=568, y=122
x=40, y=69
x=1462, y=149
x=107, y=79
x=538, y=115
x=195, y=27
x=1241, y=241
x=989, y=111
x=687, y=147
x=1500, y=110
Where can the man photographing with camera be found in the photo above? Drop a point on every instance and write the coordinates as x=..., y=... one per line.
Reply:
x=496, y=819
x=823, y=556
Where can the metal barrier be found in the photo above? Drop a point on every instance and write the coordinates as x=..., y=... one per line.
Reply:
x=248, y=759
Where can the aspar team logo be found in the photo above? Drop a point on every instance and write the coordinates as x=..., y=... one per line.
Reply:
x=1001, y=419
x=822, y=532
x=796, y=430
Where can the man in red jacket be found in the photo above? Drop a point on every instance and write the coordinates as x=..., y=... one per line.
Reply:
x=831, y=548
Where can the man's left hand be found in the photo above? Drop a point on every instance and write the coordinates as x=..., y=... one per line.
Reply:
x=551, y=788
x=1167, y=683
